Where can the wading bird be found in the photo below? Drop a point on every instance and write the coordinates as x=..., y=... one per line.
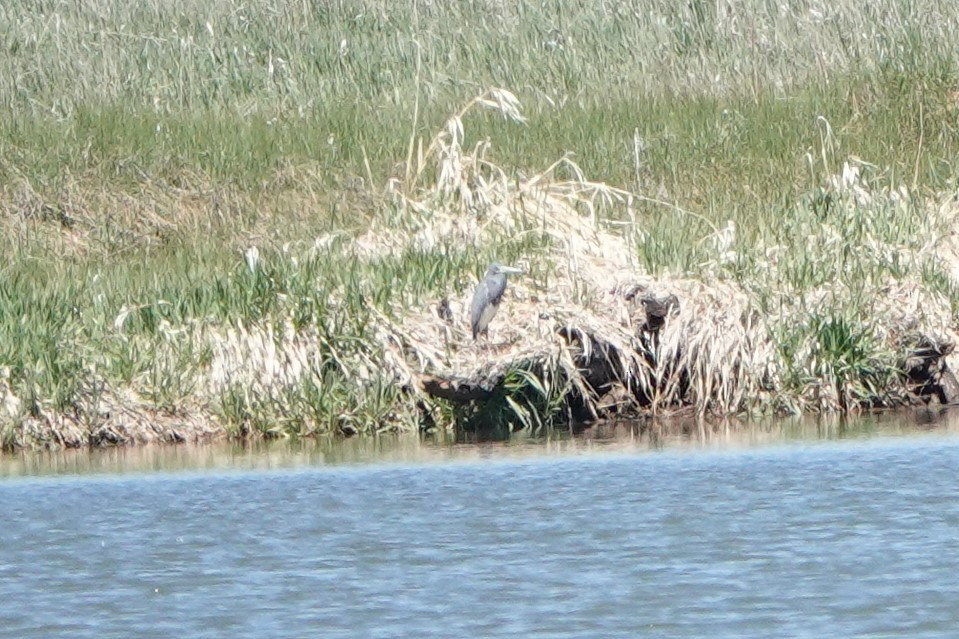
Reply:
x=488, y=295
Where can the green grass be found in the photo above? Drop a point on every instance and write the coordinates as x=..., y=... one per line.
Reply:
x=182, y=86
x=145, y=146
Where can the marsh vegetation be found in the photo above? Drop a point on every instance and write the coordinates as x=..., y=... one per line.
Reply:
x=240, y=216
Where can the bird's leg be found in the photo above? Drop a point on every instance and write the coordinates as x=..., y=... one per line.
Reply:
x=483, y=340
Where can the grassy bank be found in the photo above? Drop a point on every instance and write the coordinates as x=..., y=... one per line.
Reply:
x=211, y=211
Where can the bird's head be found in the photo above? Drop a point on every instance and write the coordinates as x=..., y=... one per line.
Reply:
x=499, y=269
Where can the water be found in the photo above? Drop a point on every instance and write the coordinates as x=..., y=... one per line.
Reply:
x=763, y=536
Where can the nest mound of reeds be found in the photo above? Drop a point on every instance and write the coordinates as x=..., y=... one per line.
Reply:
x=605, y=338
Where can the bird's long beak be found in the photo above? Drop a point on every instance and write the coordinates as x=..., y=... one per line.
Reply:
x=511, y=270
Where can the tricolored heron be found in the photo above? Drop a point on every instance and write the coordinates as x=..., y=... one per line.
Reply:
x=488, y=295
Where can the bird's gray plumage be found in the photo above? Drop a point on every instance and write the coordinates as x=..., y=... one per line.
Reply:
x=488, y=295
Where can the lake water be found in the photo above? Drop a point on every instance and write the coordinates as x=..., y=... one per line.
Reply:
x=809, y=530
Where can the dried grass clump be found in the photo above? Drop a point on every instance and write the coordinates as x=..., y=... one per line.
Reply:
x=111, y=418
x=261, y=358
x=711, y=353
x=589, y=328
x=766, y=341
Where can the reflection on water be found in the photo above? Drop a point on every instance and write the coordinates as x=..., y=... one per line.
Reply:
x=624, y=437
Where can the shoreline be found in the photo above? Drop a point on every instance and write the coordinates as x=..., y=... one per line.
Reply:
x=615, y=437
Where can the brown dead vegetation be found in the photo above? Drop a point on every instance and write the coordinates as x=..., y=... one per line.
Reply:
x=620, y=341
